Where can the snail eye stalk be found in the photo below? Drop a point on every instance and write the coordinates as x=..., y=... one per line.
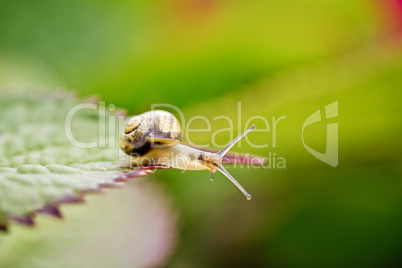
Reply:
x=222, y=153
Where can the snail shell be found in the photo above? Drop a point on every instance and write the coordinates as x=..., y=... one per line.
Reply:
x=148, y=130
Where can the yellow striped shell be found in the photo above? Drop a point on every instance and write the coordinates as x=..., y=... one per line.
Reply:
x=150, y=129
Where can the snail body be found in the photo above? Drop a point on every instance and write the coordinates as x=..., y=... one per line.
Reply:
x=154, y=139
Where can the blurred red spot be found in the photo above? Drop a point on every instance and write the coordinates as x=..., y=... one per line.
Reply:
x=391, y=15
x=195, y=8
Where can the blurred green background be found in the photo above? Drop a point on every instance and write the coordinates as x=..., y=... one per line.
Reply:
x=276, y=58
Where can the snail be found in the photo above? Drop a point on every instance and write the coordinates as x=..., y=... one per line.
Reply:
x=154, y=139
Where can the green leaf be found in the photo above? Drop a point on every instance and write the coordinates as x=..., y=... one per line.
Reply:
x=39, y=167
